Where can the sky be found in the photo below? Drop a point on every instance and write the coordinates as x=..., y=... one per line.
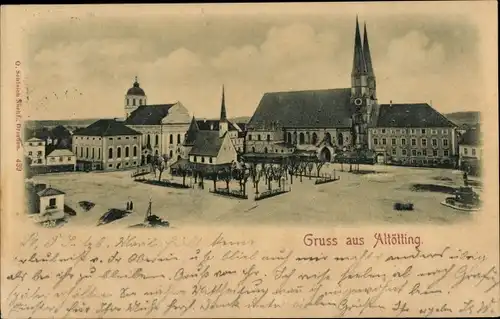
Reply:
x=80, y=65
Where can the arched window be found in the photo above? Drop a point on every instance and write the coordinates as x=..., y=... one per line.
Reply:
x=156, y=139
x=265, y=149
x=314, y=139
x=253, y=149
x=258, y=137
x=93, y=150
x=98, y=153
x=87, y=152
x=178, y=138
x=126, y=151
x=340, y=139
x=289, y=137
x=171, y=139
x=135, y=150
x=268, y=137
x=118, y=152
x=133, y=102
x=249, y=137
x=110, y=153
x=308, y=138
x=156, y=152
x=81, y=151
x=171, y=154
x=140, y=101
x=328, y=138
x=294, y=137
x=148, y=141
x=128, y=102
x=301, y=138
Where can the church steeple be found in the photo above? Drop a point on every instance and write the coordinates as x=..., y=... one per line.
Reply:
x=191, y=133
x=359, y=63
x=372, y=86
x=223, y=124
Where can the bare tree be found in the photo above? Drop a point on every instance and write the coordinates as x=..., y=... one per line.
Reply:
x=319, y=165
x=310, y=167
x=161, y=164
x=182, y=169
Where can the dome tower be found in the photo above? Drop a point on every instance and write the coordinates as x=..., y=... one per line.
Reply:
x=134, y=98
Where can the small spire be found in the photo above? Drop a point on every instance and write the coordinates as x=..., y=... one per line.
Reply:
x=366, y=53
x=136, y=82
x=359, y=63
x=223, y=115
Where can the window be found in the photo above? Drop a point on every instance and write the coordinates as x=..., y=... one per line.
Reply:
x=424, y=142
x=445, y=153
x=301, y=138
x=474, y=152
x=315, y=138
x=81, y=151
x=156, y=139
x=423, y=131
x=393, y=151
x=39, y=161
x=30, y=153
x=203, y=159
x=258, y=137
x=118, y=152
x=268, y=137
x=110, y=165
x=178, y=138
x=133, y=102
x=52, y=202
x=393, y=141
x=93, y=153
x=424, y=152
x=403, y=141
x=98, y=153
x=433, y=131
x=69, y=158
x=384, y=141
x=195, y=158
x=31, y=144
x=128, y=103
x=87, y=152
x=434, y=142
x=413, y=142
x=140, y=102
x=434, y=153
x=403, y=152
x=39, y=153
x=444, y=131
x=110, y=153
x=210, y=160
x=375, y=141
x=265, y=149
x=253, y=149
x=250, y=136
x=126, y=151
x=110, y=138
x=171, y=139
x=412, y=131
x=119, y=138
x=466, y=151
x=445, y=142
x=383, y=131
x=413, y=152
x=289, y=137
x=60, y=158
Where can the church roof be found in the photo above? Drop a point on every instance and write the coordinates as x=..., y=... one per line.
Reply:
x=148, y=114
x=411, y=115
x=208, y=143
x=307, y=109
x=106, y=127
x=213, y=125
x=359, y=62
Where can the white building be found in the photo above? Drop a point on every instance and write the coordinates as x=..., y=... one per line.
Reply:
x=47, y=203
x=61, y=159
x=34, y=149
x=470, y=150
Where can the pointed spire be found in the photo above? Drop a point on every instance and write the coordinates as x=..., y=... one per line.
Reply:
x=367, y=54
x=136, y=82
x=359, y=64
x=223, y=115
x=191, y=132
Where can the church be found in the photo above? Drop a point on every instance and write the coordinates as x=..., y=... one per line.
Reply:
x=328, y=121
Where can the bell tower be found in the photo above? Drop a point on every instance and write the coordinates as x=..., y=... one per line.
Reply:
x=134, y=98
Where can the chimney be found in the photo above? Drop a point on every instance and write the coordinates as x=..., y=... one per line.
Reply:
x=390, y=102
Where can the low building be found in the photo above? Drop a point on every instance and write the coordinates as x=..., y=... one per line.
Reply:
x=413, y=134
x=107, y=145
x=46, y=202
x=61, y=160
x=471, y=151
x=34, y=149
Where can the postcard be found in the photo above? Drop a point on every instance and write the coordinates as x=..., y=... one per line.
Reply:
x=288, y=160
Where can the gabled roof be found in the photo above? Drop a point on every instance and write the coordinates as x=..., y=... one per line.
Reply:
x=213, y=125
x=471, y=137
x=107, y=128
x=307, y=109
x=49, y=191
x=34, y=139
x=208, y=143
x=61, y=152
x=148, y=114
x=411, y=115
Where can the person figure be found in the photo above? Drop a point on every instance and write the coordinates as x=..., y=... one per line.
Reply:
x=128, y=205
x=131, y=205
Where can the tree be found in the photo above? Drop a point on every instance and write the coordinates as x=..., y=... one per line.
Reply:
x=319, y=165
x=226, y=176
x=182, y=169
x=292, y=166
x=310, y=167
x=159, y=163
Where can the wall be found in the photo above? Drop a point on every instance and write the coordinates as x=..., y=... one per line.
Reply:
x=37, y=152
x=44, y=202
x=227, y=152
x=121, y=142
x=467, y=151
x=61, y=160
x=94, y=145
x=421, y=151
x=202, y=159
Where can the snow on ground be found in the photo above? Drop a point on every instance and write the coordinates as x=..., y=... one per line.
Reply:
x=354, y=199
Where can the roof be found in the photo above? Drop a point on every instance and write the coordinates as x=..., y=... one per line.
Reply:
x=136, y=89
x=191, y=133
x=471, y=137
x=307, y=109
x=148, y=114
x=107, y=128
x=208, y=143
x=213, y=125
x=49, y=191
x=34, y=139
x=411, y=115
x=61, y=152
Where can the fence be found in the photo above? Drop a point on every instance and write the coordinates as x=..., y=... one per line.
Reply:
x=270, y=193
x=229, y=193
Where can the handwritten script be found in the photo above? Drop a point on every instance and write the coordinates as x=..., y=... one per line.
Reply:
x=171, y=276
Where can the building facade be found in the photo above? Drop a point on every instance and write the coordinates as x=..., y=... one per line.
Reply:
x=107, y=145
x=61, y=160
x=471, y=151
x=34, y=149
